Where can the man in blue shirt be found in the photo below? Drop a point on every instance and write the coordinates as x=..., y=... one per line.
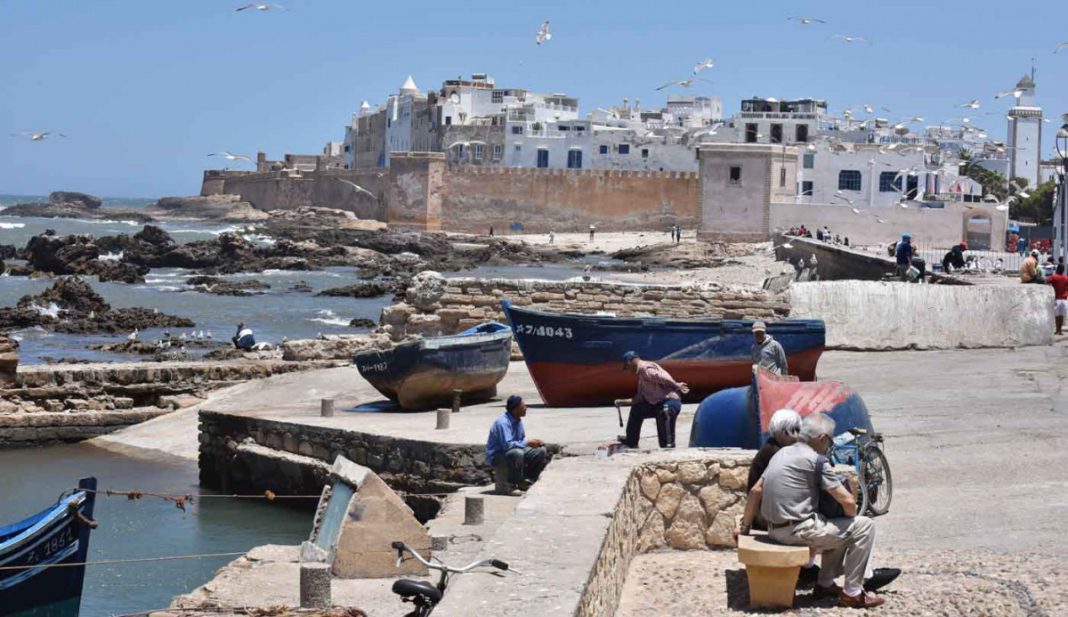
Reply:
x=508, y=447
x=904, y=255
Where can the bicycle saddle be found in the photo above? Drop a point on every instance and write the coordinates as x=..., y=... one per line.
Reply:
x=858, y=431
x=407, y=588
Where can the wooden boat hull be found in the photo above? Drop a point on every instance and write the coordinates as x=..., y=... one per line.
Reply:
x=52, y=536
x=576, y=360
x=424, y=374
x=739, y=417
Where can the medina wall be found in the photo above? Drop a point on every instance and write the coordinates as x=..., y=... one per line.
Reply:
x=280, y=190
x=473, y=199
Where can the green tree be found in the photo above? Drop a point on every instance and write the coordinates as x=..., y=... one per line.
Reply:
x=1037, y=206
x=992, y=182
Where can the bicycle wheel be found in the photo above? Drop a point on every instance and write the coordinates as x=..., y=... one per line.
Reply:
x=878, y=483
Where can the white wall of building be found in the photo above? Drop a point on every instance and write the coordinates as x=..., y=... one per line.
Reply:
x=824, y=168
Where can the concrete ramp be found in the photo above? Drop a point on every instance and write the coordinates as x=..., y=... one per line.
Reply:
x=870, y=315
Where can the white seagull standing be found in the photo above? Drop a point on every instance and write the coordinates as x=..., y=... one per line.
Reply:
x=543, y=33
x=37, y=135
x=230, y=156
x=707, y=63
x=261, y=7
x=805, y=21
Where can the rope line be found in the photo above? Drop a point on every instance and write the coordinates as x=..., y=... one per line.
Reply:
x=190, y=497
x=110, y=562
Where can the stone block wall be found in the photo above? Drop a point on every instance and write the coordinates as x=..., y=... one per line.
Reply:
x=9, y=359
x=460, y=303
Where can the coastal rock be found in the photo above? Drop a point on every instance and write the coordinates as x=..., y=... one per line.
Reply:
x=78, y=254
x=425, y=290
x=226, y=208
x=223, y=287
x=72, y=205
x=362, y=322
x=9, y=359
x=332, y=347
x=366, y=289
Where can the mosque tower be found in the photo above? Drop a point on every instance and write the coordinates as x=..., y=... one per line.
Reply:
x=1024, y=139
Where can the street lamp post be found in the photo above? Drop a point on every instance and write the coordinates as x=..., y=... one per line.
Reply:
x=1060, y=212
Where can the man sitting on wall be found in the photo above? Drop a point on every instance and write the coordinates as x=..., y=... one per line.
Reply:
x=509, y=451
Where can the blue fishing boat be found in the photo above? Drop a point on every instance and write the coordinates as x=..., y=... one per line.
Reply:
x=739, y=417
x=576, y=359
x=425, y=373
x=36, y=553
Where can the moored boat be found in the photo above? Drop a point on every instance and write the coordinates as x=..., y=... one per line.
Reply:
x=575, y=359
x=739, y=417
x=35, y=580
x=424, y=374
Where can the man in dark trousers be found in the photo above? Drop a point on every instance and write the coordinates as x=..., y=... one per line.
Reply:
x=659, y=396
x=507, y=446
x=903, y=255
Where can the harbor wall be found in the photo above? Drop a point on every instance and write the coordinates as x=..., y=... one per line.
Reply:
x=607, y=512
x=475, y=198
x=283, y=190
x=456, y=304
x=66, y=403
x=869, y=315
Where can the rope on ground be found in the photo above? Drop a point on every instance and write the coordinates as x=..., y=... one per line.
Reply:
x=112, y=562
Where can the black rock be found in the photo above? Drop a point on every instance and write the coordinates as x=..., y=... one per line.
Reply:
x=368, y=289
x=362, y=322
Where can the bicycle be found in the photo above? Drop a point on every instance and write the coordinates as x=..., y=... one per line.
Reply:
x=865, y=453
x=424, y=595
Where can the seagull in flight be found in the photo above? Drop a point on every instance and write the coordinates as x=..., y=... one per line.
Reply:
x=358, y=188
x=261, y=7
x=972, y=104
x=1060, y=46
x=543, y=33
x=37, y=135
x=850, y=39
x=685, y=83
x=1014, y=93
x=805, y=21
x=230, y=156
x=707, y=63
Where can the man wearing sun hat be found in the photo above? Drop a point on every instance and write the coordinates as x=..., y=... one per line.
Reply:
x=767, y=352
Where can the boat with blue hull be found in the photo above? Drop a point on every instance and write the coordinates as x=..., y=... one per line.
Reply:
x=37, y=553
x=425, y=373
x=575, y=360
x=739, y=417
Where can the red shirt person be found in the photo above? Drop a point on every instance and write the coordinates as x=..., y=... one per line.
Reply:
x=1060, y=296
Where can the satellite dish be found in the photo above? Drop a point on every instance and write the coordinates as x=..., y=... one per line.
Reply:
x=454, y=98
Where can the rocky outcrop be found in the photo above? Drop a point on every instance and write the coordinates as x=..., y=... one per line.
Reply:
x=366, y=289
x=71, y=205
x=9, y=359
x=78, y=254
x=222, y=287
x=225, y=208
x=71, y=305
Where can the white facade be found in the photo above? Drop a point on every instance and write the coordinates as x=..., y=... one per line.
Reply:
x=862, y=175
x=1024, y=141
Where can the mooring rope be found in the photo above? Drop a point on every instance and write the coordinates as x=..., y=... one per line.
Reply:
x=111, y=562
x=259, y=612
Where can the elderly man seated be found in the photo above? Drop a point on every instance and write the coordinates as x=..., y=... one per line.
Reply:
x=787, y=497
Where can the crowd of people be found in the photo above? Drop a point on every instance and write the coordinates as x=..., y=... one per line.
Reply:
x=823, y=235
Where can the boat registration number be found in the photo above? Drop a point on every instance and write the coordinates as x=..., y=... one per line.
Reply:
x=374, y=368
x=546, y=331
x=51, y=546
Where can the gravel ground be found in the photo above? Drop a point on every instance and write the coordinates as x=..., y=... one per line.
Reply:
x=933, y=584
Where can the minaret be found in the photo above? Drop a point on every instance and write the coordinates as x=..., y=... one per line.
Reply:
x=1024, y=136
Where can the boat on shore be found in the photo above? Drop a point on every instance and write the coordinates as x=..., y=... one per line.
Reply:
x=38, y=550
x=739, y=417
x=576, y=360
x=424, y=374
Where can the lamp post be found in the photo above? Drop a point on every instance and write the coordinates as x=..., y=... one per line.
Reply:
x=1060, y=211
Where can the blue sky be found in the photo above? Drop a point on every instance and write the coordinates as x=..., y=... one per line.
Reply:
x=144, y=89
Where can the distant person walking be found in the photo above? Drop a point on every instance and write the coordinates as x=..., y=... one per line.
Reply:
x=678, y=234
x=491, y=231
x=767, y=352
x=1021, y=246
x=593, y=230
x=552, y=237
x=1060, y=296
x=903, y=254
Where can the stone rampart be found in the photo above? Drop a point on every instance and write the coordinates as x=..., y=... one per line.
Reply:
x=282, y=190
x=459, y=303
x=474, y=198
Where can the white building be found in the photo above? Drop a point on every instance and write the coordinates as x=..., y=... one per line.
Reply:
x=1024, y=140
x=860, y=175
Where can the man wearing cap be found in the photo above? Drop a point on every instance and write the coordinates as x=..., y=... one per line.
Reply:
x=508, y=446
x=658, y=396
x=767, y=352
x=904, y=254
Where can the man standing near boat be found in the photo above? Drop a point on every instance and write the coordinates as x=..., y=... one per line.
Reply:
x=767, y=352
x=658, y=396
x=508, y=449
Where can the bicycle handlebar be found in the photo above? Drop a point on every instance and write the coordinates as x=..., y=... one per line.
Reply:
x=401, y=547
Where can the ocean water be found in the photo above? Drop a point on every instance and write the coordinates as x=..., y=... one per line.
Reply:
x=34, y=478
